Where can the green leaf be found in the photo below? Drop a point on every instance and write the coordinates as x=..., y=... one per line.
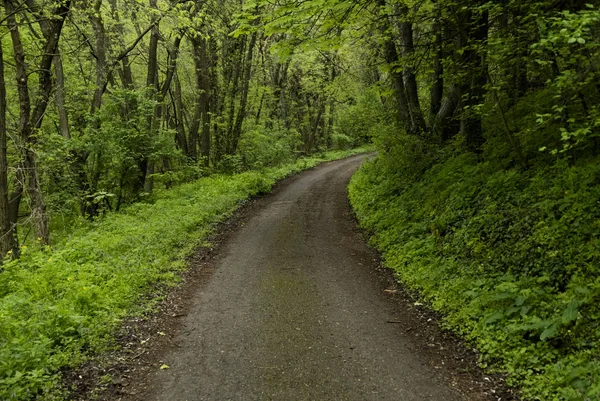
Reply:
x=571, y=312
x=550, y=332
x=494, y=318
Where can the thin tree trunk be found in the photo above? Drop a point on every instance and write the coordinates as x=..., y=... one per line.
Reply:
x=38, y=208
x=441, y=126
x=180, y=126
x=100, y=52
x=59, y=97
x=391, y=57
x=437, y=87
x=202, y=106
x=237, y=129
x=8, y=241
x=237, y=72
x=473, y=90
x=125, y=71
x=410, y=80
x=279, y=77
x=146, y=165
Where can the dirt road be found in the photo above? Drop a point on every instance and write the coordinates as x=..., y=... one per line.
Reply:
x=295, y=310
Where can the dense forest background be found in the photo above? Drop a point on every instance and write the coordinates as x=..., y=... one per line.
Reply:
x=100, y=101
x=484, y=196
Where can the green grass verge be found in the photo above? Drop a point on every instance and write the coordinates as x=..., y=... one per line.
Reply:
x=511, y=257
x=60, y=305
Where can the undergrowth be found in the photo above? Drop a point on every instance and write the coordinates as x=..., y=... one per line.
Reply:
x=60, y=305
x=509, y=255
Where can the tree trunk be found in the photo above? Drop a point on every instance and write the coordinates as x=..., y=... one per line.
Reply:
x=410, y=80
x=473, y=89
x=59, y=97
x=8, y=241
x=202, y=105
x=237, y=70
x=100, y=53
x=125, y=71
x=437, y=87
x=146, y=164
x=237, y=129
x=442, y=126
x=391, y=57
x=178, y=110
x=279, y=75
x=29, y=121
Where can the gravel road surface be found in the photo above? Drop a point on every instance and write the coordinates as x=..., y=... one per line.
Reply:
x=294, y=310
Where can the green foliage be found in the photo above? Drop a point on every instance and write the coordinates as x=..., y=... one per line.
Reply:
x=361, y=119
x=119, y=139
x=569, y=38
x=265, y=148
x=60, y=305
x=509, y=256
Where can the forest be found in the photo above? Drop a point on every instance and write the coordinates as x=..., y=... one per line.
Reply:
x=129, y=127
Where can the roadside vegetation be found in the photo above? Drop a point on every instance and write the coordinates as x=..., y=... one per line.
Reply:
x=500, y=231
x=510, y=257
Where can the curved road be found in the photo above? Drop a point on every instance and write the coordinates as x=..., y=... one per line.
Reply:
x=295, y=311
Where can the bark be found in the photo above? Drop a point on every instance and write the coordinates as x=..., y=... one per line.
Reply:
x=237, y=129
x=331, y=119
x=237, y=69
x=279, y=76
x=410, y=80
x=8, y=240
x=125, y=73
x=317, y=125
x=171, y=67
x=152, y=72
x=178, y=110
x=205, y=111
x=59, y=97
x=201, y=118
x=437, y=87
x=215, y=100
x=442, y=126
x=391, y=57
x=145, y=164
x=100, y=53
x=260, y=107
x=473, y=88
x=521, y=82
x=30, y=118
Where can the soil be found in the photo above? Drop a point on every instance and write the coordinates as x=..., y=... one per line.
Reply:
x=289, y=303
